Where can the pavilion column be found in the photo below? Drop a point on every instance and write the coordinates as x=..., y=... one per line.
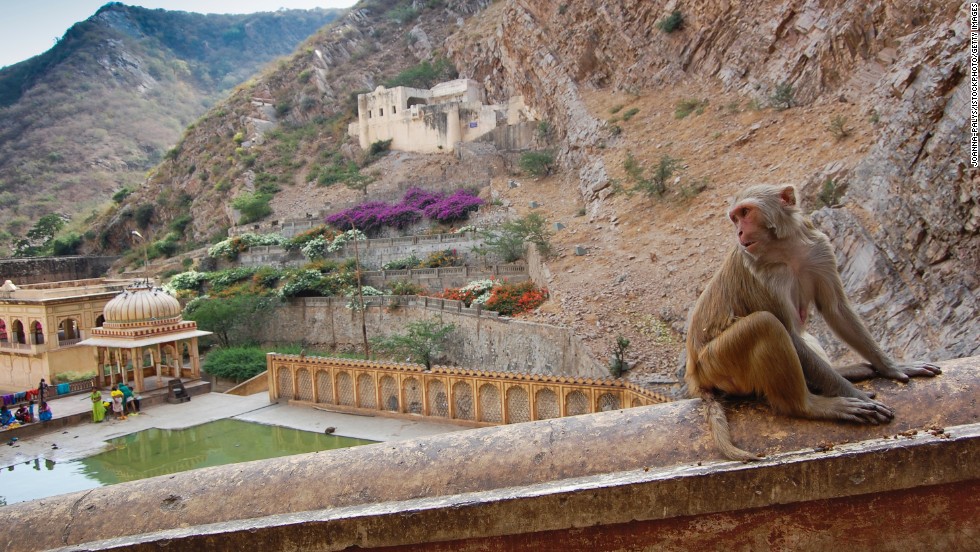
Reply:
x=120, y=368
x=137, y=361
x=195, y=360
x=138, y=376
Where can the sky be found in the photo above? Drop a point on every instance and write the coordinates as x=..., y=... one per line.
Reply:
x=30, y=27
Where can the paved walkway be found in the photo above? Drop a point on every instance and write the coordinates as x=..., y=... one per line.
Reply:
x=86, y=439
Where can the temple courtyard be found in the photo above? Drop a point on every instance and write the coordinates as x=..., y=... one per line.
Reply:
x=86, y=438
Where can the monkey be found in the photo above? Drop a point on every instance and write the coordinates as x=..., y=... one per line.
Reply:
x=746, y=332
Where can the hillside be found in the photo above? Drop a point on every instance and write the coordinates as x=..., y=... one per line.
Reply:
x=862, y=106
x=87, y=119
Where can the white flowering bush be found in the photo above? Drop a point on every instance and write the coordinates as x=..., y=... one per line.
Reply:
x=314, y=248
x=190, y=280
x=231, y=247
x=304, y=281
x=340, y=241
x=467, y=228
x=479, y=290
x=366, y=291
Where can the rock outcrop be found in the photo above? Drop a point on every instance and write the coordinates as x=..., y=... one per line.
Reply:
x=908, y=228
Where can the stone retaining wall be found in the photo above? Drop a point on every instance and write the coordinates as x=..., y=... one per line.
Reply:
x=482, y=340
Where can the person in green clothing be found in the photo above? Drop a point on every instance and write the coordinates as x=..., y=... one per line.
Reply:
x=129, y=399
x=98, y=409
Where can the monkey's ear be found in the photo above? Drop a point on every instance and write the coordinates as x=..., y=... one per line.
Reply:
x=788, y=196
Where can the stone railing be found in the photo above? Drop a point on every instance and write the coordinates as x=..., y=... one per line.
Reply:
x=470, y=397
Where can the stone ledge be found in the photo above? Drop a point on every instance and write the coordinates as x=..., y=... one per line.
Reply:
x=564, y=461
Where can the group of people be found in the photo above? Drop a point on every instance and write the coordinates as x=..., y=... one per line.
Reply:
x=123, y=401
x=25, y=414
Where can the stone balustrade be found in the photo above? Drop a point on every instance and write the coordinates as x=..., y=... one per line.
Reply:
x=471, y=397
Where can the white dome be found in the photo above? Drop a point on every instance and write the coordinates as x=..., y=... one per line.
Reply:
x=141, y=304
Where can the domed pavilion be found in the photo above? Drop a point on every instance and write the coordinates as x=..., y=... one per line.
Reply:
x=144, y=336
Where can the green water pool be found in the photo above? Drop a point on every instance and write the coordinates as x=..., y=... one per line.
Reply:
x=153, y=452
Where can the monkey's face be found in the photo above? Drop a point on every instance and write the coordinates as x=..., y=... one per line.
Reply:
x=751, y=228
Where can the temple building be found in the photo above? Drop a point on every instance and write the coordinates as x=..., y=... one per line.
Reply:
x=144, y=337
x=114, y=329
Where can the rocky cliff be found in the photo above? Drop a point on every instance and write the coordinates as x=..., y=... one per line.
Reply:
x=907, y=230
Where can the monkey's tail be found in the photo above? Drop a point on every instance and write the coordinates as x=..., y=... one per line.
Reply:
x=718, y=424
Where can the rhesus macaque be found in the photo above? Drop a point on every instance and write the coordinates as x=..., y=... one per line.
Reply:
x=746, y=334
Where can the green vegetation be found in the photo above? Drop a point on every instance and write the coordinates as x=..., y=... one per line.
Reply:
x=235, y=363
x=688, y=106
x=537, y=163
x=830, y=193
x=39, y=239
x=618, y=366
x=672, y=22
x=253, y=206
x=423, y=342
x=782, y=98
x=424, y=75
x=229, y=318
x=630, y=113
x=508, y=241
x=656, y=183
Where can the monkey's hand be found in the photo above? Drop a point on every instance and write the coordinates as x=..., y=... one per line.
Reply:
x=902, y=372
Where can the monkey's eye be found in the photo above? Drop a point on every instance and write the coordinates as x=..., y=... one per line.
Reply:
x=744, y=212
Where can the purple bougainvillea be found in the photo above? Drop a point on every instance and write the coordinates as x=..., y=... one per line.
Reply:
x=372, y=216
x=419, y=199
x=455, y=207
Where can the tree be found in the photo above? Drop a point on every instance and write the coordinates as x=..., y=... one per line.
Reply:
x=537, y=163
x=508, y=241
x=232, y=319
x=38, y=239
x=423, y=342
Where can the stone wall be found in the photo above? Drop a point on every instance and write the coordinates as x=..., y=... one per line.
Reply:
x=376, y=252
x=482, y=339
x=34, y=270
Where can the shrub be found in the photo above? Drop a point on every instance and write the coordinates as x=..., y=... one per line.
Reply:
x=143, y=215
x=513, y=299
x=537, y=163
x=830, y=193
x=444, y=258
x=477, y=291
x=782, y=97
x=838, y=127
x=120, y=195
x=190, y=280
x=235, y=363
x=686, y=107
x=407, y=263
x=67, y=244
x=672, y=22
x=405, y=287
x=252, y=206
x=630, y=113
x=458, y=206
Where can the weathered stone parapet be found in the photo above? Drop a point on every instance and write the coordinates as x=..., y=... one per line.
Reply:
x=639, y=478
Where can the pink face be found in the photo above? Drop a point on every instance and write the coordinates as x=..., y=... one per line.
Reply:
x=750, y=227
